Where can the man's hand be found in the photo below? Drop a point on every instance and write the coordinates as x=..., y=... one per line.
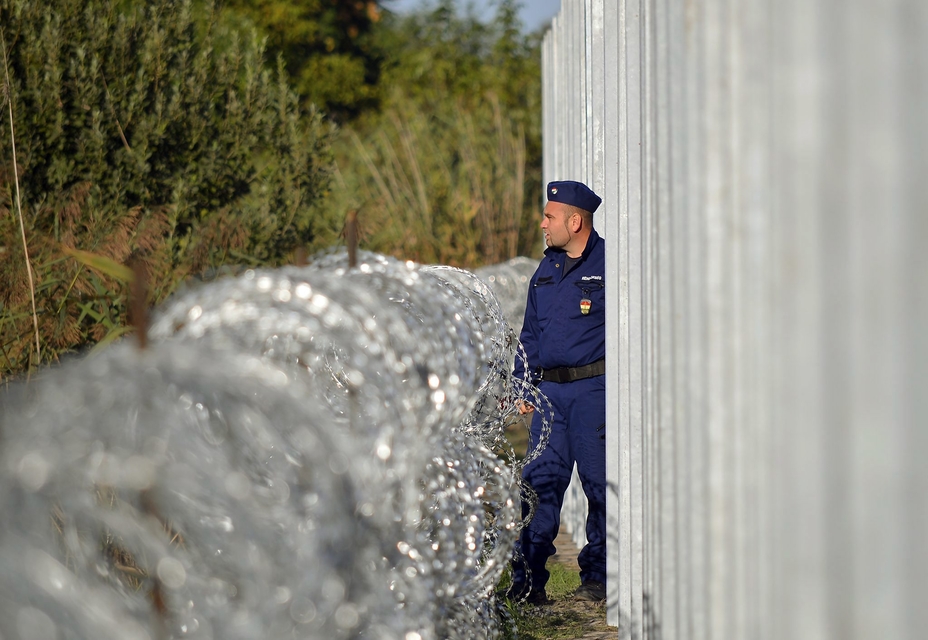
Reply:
x=524, y=407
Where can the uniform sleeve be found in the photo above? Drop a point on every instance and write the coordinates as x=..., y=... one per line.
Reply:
x=529, y=337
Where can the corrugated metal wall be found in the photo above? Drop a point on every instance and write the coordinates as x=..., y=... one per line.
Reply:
x=765, y=182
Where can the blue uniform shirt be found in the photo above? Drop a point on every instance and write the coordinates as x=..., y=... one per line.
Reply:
x=555, y=331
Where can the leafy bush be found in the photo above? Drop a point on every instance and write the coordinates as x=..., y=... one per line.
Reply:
x=142, y=130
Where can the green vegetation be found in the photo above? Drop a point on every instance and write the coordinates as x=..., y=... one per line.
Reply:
x=141, y=131
x=564, y=619
x=449, y=170
x=185, y=137
x=329, y=48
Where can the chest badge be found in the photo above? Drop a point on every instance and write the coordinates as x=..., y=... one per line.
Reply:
x=585, y=306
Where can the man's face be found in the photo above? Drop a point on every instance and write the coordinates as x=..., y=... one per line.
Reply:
x=554, y=224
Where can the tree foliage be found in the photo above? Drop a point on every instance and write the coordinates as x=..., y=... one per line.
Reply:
x=141, y=130
x=449, y=171
x=328, y=47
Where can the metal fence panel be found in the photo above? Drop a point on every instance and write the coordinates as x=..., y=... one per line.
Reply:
x=763, y=170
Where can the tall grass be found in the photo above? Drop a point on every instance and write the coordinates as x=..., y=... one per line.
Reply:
x=442, y=187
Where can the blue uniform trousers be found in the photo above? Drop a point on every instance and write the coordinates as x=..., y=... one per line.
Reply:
x=578, y=434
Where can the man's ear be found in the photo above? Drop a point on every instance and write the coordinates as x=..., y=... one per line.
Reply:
x=576, y=221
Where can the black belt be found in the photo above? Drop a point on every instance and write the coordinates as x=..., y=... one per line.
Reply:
x=569, y=374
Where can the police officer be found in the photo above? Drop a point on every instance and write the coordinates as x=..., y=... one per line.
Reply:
x=564, y=337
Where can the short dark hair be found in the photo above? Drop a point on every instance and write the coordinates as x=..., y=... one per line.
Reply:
x=586, y=215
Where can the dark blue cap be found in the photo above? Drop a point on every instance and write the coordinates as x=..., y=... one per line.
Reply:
x=574, y=193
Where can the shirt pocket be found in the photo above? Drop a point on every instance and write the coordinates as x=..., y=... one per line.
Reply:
x=591, y=297
x=544, y=299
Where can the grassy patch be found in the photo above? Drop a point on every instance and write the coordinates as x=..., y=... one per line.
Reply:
x=565, y=619
x=563, y=581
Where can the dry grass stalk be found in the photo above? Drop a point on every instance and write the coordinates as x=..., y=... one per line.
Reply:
x=8, y=95
x=445, y=188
